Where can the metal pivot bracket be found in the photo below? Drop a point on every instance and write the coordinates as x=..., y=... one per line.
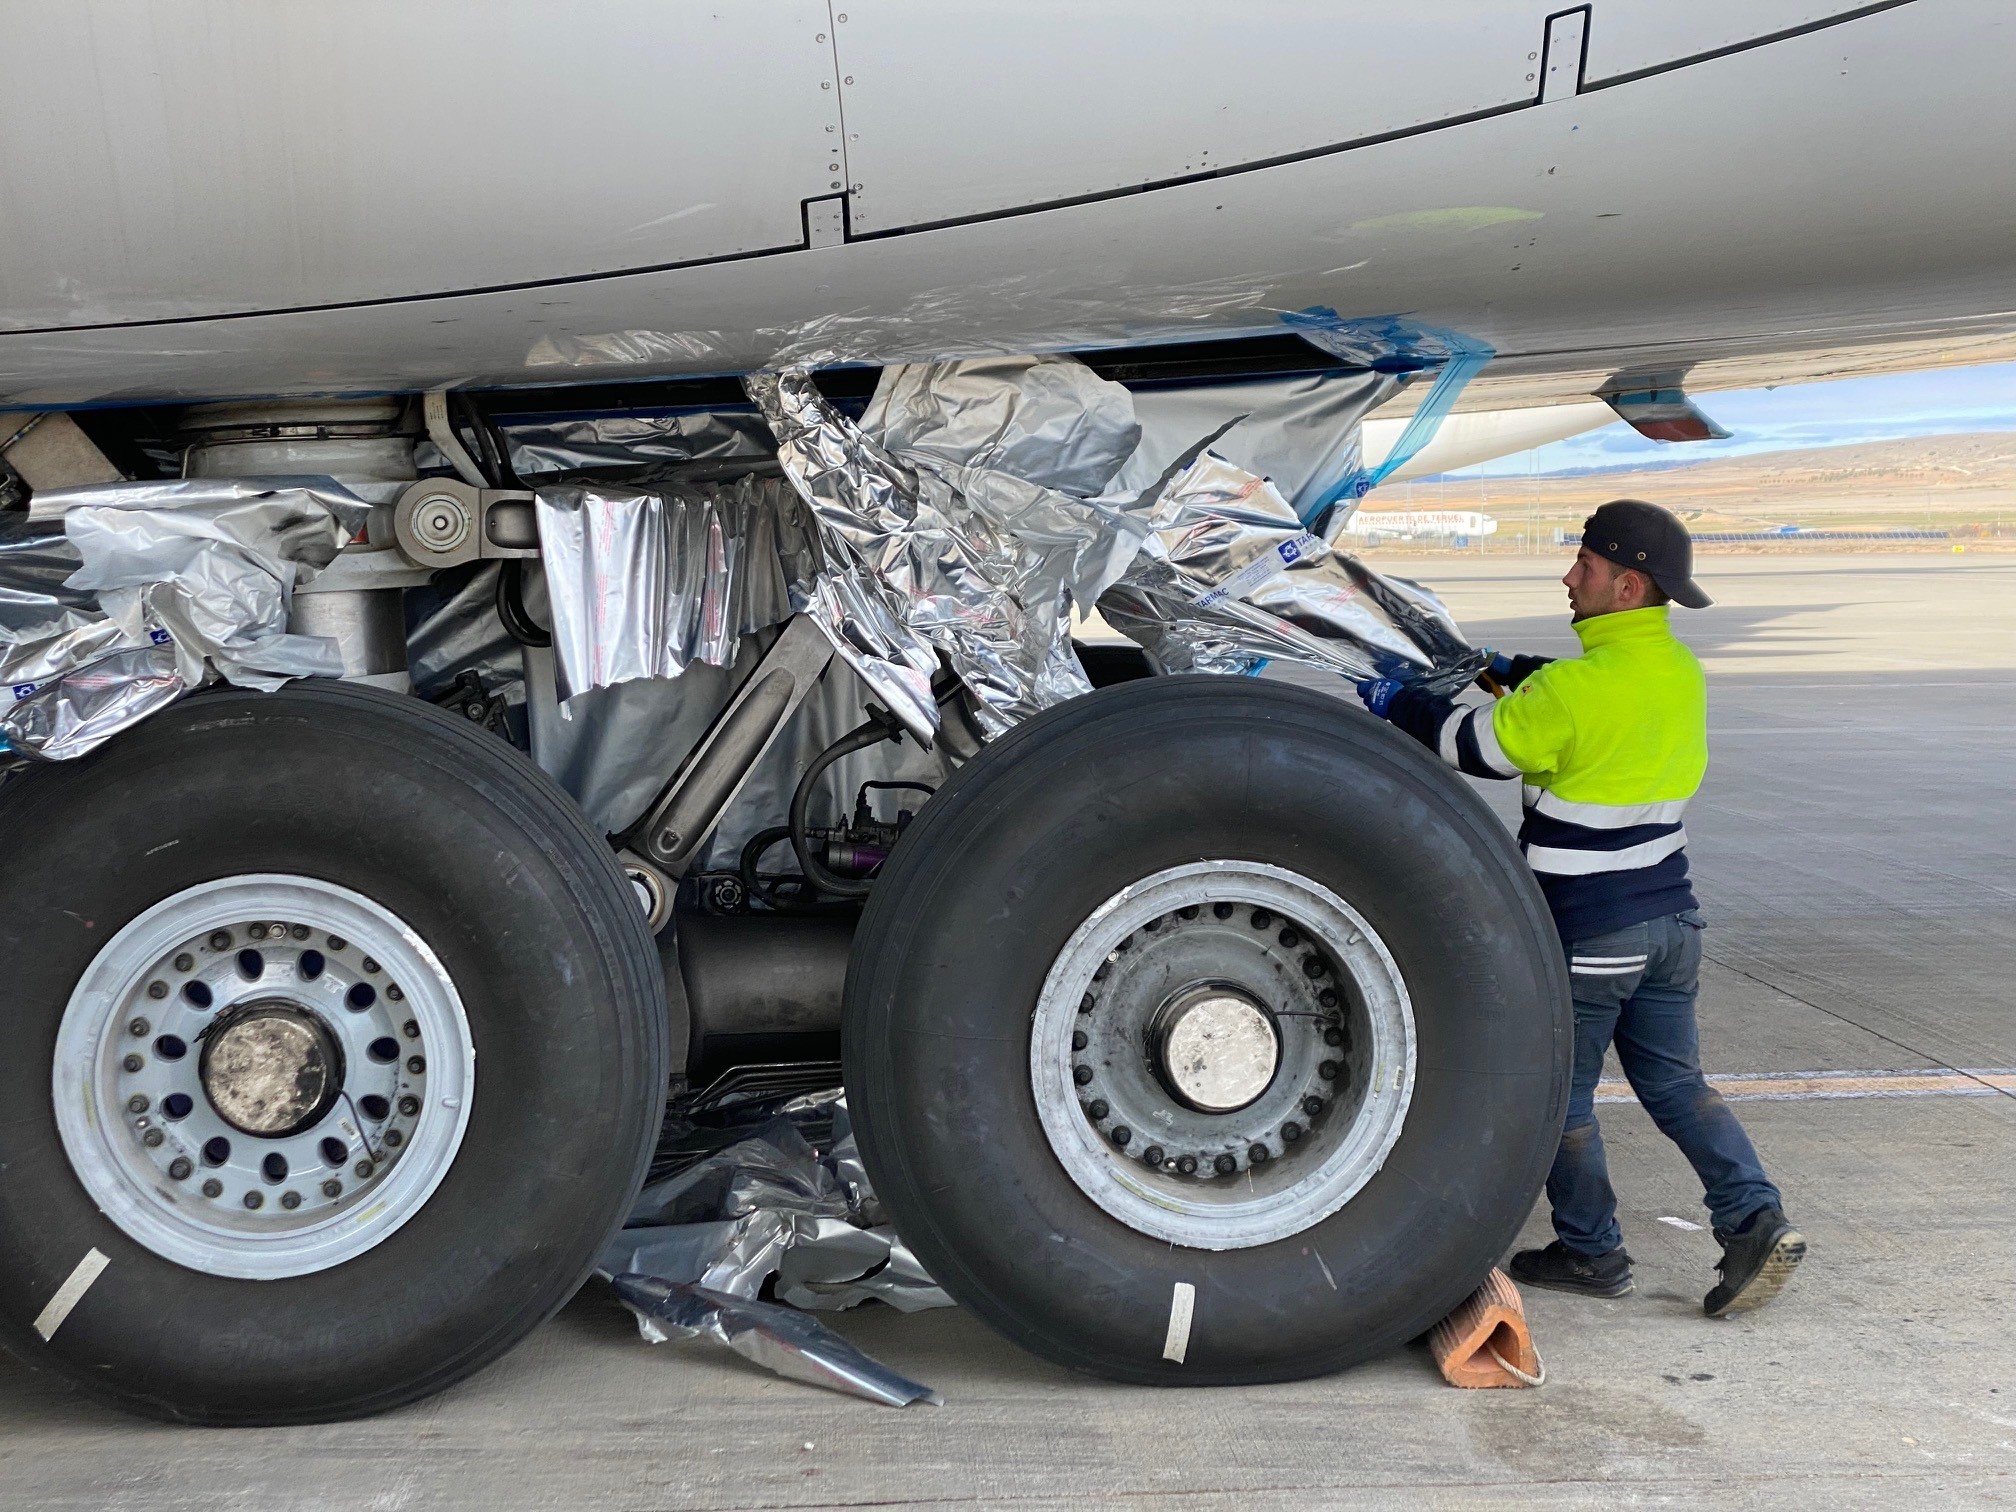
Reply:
x=439, y=522
x=672, y=833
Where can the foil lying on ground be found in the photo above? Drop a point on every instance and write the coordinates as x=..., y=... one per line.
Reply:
x=188, y=577
x=740, y=1198
x=779, y=1338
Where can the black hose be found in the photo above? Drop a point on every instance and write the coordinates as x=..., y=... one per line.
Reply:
x=874, y=732
x=518, y=622
x=756, y=887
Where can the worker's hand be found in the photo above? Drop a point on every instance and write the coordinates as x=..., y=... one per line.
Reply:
x=1513, y=670
x=1377, y=693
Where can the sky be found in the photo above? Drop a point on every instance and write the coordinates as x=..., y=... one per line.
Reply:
x=1944, y=401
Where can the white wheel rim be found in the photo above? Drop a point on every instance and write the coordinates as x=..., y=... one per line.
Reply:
x=333, y=1213
x=1302, y=1178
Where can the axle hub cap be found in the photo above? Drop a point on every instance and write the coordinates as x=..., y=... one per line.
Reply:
x=272, y=1071
x=1219, y=1051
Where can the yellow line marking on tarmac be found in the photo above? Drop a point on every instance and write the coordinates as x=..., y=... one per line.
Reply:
x=1803, y=1086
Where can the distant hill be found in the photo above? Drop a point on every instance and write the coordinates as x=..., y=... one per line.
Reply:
x=1971, y=475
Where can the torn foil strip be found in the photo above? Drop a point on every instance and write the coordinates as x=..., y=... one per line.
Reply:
x=645, y=583
x=782, y=1339
x=1229, y=579
x=928, y=552
x=189, y=576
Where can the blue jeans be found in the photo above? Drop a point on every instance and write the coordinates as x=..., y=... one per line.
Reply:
x=1637, y=986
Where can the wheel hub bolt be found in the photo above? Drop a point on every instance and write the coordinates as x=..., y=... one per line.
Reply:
x=179, y=1168
x=134, y=1062
x=1080, y=1039
x=1187, y=1164
x=1327, y=998
x=1258, y=1154
x=1187, y=911
x=299, y=931
x=153, y=1139
x=1262, y=918
x=1081, y=1074
x=137, y=1103
x=1153, y=1155
x=1220, y=911
x=337, y=942
x=157, y=990
x=256, y=931
x=254, y=1201
x=138, y=1028
x=1121, y=1134
x=332, y=1189
x=1333, y=1036
x=409, y=1106
x=370, y=967
x=185, y=962
x=290, y=1200
x=213, y=1188
x=411, y=1028
x=394, y=1139
x=1290, y=938
x=1290, y=1132
x=1312, y=1105
x=1085, y=1003
x=1224, y=1165
x=220, y=939
x=1314, y=966
x=392, y=991
x=416, y=1064
x=363, y=1168
x=1328, y=1070
x=1097, y=1109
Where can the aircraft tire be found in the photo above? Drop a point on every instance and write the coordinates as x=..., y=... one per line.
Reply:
x=1101, y=892
x=337, y=1047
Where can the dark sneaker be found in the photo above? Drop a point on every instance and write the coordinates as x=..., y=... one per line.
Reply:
x=1558, y=1268
x=1756, y=1263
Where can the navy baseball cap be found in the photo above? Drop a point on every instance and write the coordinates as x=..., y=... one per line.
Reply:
x=1632, y=533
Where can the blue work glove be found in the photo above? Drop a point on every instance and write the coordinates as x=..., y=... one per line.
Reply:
x=1378, y=692
x=1510, y=671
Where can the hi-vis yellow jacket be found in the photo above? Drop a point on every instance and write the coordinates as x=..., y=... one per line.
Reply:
x=1611, y=745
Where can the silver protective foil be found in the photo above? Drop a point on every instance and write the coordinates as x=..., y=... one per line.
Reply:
x=1229, y=580
x=928, y=553
x=610, y=443
x=782, y=1339
x=644, y=583
x=1301, y=433
x=189, y=577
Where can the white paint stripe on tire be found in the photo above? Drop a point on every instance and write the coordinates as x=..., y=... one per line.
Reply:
x=70, y=1293
x=1182, y=1304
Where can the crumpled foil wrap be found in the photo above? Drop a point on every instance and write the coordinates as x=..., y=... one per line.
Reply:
x=928, y=552
x=779, y=1338
x=647, y=582
x=188, y=577
x=611, y=443
x=740, y=1194
x=1229, y=579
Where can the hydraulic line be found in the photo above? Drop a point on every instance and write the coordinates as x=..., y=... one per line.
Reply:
x=880, y=727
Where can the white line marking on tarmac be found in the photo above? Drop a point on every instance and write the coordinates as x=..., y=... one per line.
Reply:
x=1829, y=1086
x=1182, y=1303
x=70, y=1293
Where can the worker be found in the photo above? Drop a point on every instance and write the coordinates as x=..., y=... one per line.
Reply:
x=1611, y=745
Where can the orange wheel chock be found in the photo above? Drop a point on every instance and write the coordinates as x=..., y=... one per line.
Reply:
x=1486, y=1342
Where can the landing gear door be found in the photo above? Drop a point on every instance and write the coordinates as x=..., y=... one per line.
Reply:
x=960, y=110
